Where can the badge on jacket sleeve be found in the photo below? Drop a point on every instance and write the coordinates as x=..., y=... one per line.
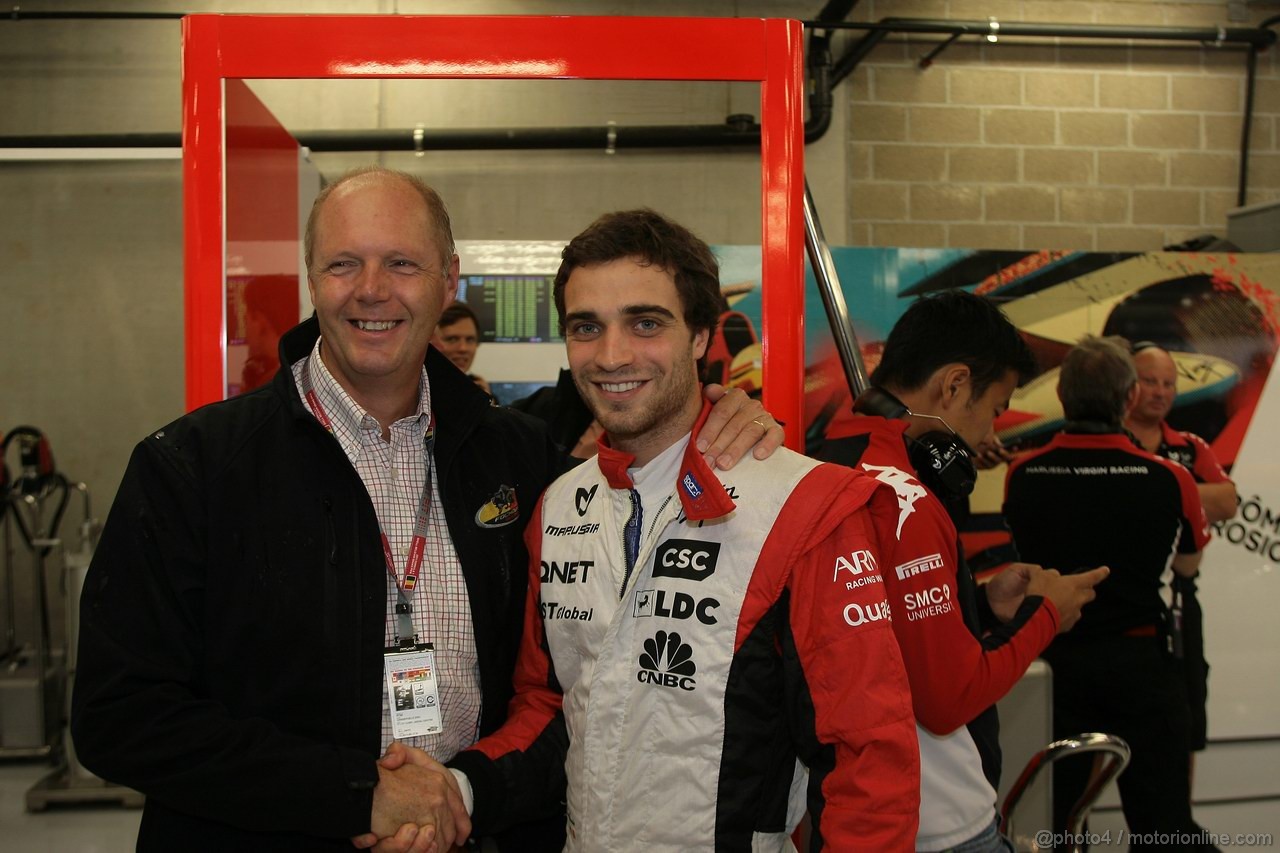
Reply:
x=500, y=510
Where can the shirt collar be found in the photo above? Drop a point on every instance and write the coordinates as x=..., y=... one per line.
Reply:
x=702, y=495
x=1087, y=440
x=887, y=434
x=1170, y=436
x=349, y=417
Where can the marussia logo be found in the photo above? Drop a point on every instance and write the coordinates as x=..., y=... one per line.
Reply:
x=582, y=500
x=908, y=489
x=667, y=662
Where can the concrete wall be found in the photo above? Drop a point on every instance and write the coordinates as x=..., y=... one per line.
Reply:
x=1101, y=146
x=1035, y=144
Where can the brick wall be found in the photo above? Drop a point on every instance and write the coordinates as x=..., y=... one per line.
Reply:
x=1043, y=143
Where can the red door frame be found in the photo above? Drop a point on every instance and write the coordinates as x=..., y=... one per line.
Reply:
x=768, y=51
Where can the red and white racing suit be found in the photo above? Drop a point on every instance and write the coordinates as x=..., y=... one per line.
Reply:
x=959, y=658
x=748, y=642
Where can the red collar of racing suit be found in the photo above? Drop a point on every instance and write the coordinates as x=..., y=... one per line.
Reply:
x=701, y=493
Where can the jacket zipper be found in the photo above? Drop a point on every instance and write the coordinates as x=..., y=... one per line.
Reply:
x=630, y=535
x=633, y=527
x=653, y=525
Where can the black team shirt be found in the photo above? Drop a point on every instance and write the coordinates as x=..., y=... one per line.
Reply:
x=1086, y=500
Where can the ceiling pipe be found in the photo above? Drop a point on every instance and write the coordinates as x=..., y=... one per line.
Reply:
x=818, y=62
x=18, y=15
x=737, y=131
x=1261, y=37
x=1251, y=80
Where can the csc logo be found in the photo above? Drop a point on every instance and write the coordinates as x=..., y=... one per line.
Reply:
x=687, y=559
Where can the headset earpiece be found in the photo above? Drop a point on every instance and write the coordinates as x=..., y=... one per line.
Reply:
x=942, y=459
x=943, y=463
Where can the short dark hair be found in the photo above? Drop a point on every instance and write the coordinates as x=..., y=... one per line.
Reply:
x=456, y=311
x=653, y=240
x=1095, y=379
x=949, y=327
x=441, y=226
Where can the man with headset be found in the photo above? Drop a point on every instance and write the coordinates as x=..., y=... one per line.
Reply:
x=948, y=369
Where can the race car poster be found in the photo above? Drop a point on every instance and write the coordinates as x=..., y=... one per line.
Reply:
x=1216, y=313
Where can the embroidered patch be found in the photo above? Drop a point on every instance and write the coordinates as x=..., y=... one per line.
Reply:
x=691, y=485
x=500, y=510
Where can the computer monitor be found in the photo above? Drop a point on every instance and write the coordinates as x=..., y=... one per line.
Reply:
x=511, y=307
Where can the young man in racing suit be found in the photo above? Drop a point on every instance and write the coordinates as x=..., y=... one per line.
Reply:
x=696, y=644
x=948, y=369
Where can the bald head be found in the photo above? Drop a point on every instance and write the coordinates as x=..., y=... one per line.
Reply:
x=1156, y=359
x=1157, y=386
x=437, y=214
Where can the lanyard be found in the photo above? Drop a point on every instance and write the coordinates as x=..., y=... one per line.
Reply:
x=417, y=546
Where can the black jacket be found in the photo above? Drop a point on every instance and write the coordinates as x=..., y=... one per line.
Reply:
x=231, y=639
x=561, y=408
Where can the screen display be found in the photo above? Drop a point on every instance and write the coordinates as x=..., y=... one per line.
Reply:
x=507, y=393
x=511, y=308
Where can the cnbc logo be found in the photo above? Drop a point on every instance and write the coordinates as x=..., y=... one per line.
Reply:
x=667, y=662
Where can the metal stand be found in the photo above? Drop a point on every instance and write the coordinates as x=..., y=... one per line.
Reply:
x=71, y=782
x=1115, y=757
x=31, y=679
x=64, y=787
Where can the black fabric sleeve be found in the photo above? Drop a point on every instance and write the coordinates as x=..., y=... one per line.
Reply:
x=139, y=714
x=1001, y=632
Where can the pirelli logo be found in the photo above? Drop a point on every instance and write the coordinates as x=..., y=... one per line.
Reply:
x=918, y=567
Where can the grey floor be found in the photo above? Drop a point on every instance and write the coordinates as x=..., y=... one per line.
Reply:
x=113, y=829
x=59, y=829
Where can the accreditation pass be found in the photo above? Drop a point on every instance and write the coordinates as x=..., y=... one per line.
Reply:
x=413, y=693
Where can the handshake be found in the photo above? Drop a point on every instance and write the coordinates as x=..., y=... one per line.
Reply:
x=418, y=806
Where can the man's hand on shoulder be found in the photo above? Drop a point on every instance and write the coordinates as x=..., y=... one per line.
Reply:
x=417, y=807
x=736, y=424
x=1069, y=593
